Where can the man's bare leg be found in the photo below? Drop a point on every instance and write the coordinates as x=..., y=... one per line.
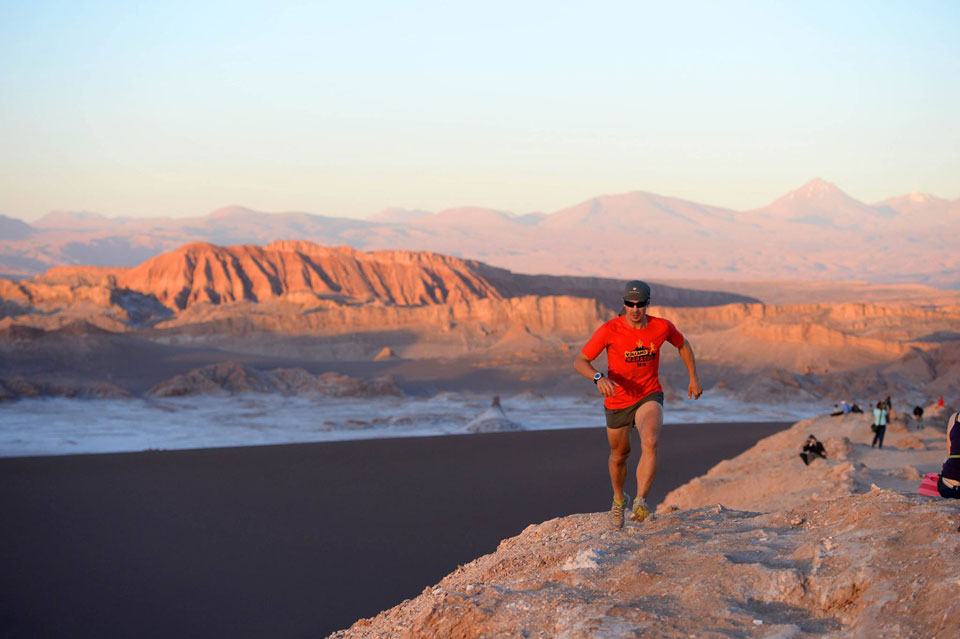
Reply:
x=649, y=420
x=619, y=439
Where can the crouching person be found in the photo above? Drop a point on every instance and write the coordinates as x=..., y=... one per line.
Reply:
x=811, y=450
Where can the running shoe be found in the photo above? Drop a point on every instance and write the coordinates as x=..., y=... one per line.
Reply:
x=640, y=510
x=616, y=511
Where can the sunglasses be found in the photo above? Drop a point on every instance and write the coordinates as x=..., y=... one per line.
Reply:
x=630, y=304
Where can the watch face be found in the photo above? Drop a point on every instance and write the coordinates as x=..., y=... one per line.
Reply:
x=597, y=377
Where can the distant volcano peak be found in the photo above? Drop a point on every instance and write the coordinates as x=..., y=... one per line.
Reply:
x=921, y=198
x=817, y=188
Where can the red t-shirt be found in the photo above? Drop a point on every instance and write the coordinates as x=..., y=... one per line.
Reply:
x=633, y=357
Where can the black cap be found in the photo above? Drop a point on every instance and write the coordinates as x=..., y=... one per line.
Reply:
x=637, y=291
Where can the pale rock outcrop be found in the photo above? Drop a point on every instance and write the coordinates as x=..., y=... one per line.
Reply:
x=842, y=568
x=492, y=420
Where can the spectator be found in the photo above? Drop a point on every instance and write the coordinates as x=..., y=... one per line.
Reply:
x=811, y=450
x=948, y=483
x=879, y=424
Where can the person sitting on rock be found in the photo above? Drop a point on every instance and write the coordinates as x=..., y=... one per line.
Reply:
x=948, y=483
x=918, y=414
x=811, y=450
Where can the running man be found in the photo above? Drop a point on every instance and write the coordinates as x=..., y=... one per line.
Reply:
x=631, y=390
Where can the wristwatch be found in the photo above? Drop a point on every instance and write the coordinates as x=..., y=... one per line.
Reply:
x=597, y=377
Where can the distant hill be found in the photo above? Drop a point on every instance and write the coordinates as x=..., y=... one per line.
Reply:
x=816, y=232
x=14, y=229
x=821, y=204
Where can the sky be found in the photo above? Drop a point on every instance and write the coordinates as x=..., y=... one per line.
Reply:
x=178, y=108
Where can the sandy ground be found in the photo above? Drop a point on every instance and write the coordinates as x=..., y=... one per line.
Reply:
x=771, y=476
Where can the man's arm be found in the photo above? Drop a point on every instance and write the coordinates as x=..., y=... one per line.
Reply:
x=686, y=354
x=583, y=366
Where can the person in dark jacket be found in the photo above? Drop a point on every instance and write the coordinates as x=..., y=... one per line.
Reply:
x=948, y=483
x=811, y=450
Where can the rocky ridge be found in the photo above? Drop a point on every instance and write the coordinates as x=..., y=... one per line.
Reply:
x=232, y=377
x=19, y=387
x=781, y=551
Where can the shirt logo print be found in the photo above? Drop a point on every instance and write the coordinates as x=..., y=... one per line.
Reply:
x=641, y=353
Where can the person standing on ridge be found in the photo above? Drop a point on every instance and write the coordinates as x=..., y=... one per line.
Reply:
x=631, y=389
x=879, y=424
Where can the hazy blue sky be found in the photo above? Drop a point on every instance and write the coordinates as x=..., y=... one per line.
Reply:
x=344, y=108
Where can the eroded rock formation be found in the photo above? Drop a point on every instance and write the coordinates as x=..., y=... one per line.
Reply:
x=229, y=378
x=249, y=299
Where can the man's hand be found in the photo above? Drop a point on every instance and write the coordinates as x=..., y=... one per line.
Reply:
x=606, y=387
x=694, y=390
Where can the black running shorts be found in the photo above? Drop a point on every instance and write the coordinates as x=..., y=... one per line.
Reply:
x=624, y=417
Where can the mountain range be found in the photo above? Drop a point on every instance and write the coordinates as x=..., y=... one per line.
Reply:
x=816, y=232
